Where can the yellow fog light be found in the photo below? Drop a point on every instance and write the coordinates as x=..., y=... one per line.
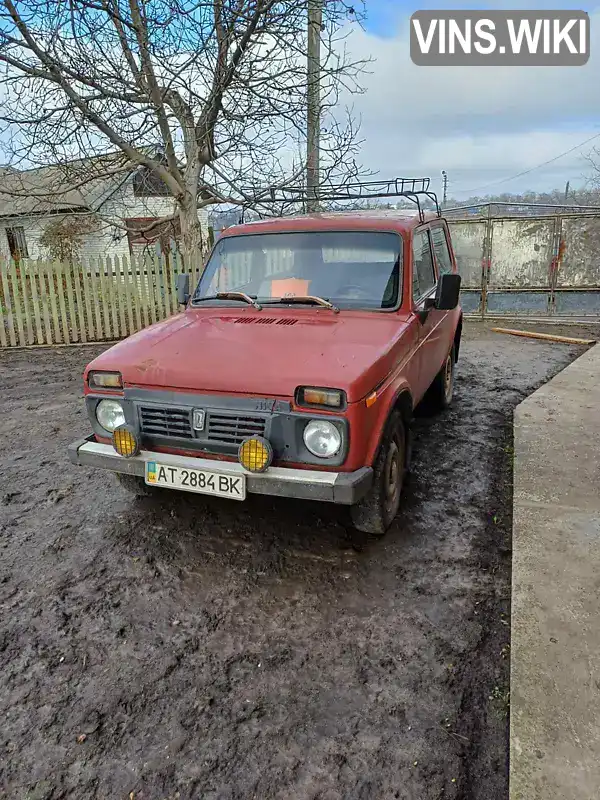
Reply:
x=255, y=454
x=125, y=442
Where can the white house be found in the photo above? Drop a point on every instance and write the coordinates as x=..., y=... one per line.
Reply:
x=118, y=200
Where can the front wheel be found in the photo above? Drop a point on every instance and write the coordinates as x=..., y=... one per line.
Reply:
x=377, y=510
x=439, y=395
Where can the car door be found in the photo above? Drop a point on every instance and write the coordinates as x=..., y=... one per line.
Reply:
x=440, y=237
x=432, y=336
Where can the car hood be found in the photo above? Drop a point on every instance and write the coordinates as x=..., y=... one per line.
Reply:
x=265, y=353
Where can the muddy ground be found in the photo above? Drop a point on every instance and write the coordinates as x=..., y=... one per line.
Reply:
x=192, y=648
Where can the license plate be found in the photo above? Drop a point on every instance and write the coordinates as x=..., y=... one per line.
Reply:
x=196, y=480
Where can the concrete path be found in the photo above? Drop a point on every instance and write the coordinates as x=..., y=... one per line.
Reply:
x=555, y=666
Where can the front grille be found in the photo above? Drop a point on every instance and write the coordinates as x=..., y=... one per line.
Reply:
x=169, y=422
x=234, y=428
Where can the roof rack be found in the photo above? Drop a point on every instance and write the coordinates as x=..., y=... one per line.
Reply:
x=411, y=188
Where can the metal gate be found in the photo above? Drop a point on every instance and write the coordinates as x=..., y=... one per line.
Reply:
x=547, y=265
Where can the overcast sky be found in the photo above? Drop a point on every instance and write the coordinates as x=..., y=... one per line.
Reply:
x=481, y=125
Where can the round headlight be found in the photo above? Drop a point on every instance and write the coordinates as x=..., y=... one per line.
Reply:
x=109, y=414
x=322, y=438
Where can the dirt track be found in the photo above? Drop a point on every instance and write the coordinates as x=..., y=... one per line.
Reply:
x=203, y=649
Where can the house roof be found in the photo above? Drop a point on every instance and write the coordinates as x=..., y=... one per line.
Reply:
x=81, y=185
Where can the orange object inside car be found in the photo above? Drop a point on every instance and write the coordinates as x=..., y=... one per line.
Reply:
x=289, y=287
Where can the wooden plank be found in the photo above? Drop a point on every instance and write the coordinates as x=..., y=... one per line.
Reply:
x=116, y=294
x=96, y=298
x=128, y=289
x=113, y=297
x=172, y=282
x=53, y=295
x=62, y=306
x=149, y=266
x=144, y=290
x=3, y=339
x=158, y=281
x=128, y=294
x=165, y=263
x=144, y=296
x=134, y=288
x=193, y=277
x=136, y=270
x=8, y=308
x=15, y=281
x=75, y=276
x=75, y=309
x=547, y=337
x=164, y=303
x=161, y=285
x=176, y=271
x=45, y=298
x=36, y=302
x=107, y=332
x=83, y=292
x=25, y=291
x=134, y=296
x=123, y=299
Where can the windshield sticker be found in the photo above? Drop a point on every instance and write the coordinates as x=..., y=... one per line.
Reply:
x=289, y=287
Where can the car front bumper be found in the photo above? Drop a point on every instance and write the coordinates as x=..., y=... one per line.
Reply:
x=344, y=488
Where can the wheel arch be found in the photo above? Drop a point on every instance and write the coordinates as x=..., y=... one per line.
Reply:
x=458, y=337
x=402, y=401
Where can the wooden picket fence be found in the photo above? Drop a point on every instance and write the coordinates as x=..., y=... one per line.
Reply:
x=45, y=303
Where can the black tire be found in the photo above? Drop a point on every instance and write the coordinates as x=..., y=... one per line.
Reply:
x=439, y=394
x=135, y=485
x=377, y=510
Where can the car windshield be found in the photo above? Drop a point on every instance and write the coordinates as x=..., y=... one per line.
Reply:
x=352, y=269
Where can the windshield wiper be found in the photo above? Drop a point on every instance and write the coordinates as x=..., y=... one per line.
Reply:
x=230, y=296
x=307, y=298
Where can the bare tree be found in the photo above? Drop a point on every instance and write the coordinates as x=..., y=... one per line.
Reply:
x=207, y=96
x=592, y=177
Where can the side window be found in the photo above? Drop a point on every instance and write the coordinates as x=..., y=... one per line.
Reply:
x=440, y=247
x=17, y=244
x=423, y=272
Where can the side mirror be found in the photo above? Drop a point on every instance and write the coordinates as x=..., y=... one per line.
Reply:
x=183, y=289
x=448, y=291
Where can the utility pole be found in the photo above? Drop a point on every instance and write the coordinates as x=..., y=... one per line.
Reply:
x=567, y=190
x=313, y=103
x=445, y=186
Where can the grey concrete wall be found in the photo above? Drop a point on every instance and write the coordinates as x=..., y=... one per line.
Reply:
x=555, y=636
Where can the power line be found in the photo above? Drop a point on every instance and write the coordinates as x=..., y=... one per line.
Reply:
x=532, y=169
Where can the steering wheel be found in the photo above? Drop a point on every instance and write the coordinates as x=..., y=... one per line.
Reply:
x=354, y=291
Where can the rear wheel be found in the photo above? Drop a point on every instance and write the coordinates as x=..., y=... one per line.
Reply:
x=135, y=485
x=377, y=510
